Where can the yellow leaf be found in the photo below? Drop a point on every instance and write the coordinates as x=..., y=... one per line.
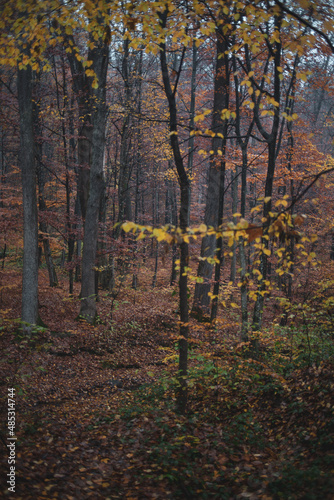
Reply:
x=199, y=117
x=127, y=226
x=90, y=72
x=281, y=202
x=301, y=76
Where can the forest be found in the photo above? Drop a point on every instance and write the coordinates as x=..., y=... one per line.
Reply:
x=167, y=249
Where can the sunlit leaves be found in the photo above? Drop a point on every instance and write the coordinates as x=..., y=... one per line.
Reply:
x=281, y=225
x=201, y=116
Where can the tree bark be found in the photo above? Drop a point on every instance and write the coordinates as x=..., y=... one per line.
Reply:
x=243, y=144
x=83, y=93
x=88, y=309
x=171, y=218
x=29, y=313
x=273, y=147
x=40, y=171
x=53, y=280
x=234, y=189
x=124, y=198
x=183, y=218
x=201, y=304
x=192, y=117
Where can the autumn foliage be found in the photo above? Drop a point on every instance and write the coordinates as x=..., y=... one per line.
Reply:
x=167, y=248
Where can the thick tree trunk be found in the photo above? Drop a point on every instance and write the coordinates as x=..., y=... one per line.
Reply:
x=88, y=292
x=83, y=92
x=29, y=313
x=201, y=305
x=84, y=161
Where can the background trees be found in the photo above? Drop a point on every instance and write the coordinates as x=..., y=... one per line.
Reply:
x=156, y=155
x=252, y=121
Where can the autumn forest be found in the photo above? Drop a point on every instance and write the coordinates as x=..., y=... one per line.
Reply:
x=167, y=249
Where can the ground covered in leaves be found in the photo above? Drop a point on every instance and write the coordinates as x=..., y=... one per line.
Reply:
x=95, y=405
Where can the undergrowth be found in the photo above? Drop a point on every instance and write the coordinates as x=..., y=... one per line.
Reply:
x=240, y=411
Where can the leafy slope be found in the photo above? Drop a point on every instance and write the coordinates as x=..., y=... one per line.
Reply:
x=95, y=408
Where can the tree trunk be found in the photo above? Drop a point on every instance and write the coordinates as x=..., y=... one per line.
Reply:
x=78, y=250
x=83, y=92
x=243, y=144
x=263, y=268
x=201, y=304
x=29, y=313
x=214, y=306
x=69, y=158
x=273, y=148
x=242, y=252
x=181, y=395
x=171, y=218
x=88, y=293
x=155, y=223
x=192, y=121
x=124, y=194
x=53, y=280
x=234, y=189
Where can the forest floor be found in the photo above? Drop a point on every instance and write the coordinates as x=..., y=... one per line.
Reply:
x=95, y=405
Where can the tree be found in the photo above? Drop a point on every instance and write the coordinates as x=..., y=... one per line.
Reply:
x=215, y=191
x=29, y=313
x=99, y=58
x=183, y=217
x=41, y=178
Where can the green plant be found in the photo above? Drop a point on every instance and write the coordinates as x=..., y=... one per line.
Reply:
x=309, y=484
